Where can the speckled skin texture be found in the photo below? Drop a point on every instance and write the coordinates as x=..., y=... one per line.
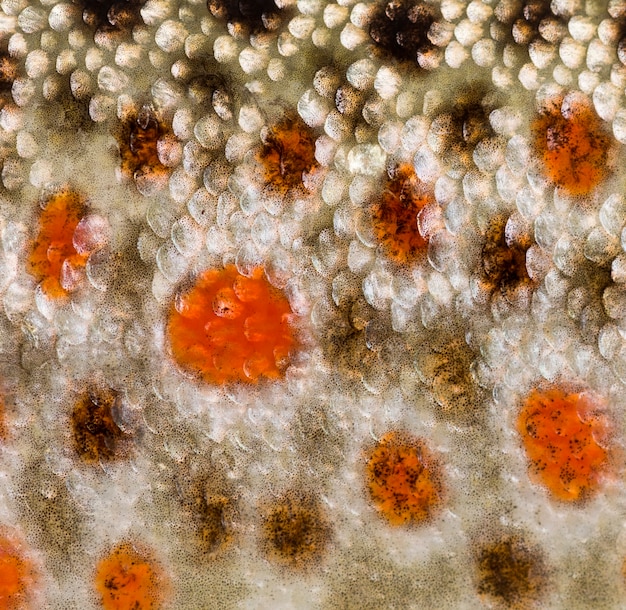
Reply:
x=263, y=138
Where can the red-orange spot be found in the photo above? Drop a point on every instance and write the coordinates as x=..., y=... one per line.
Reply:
x=54, y=259
x=138, y=137
x=230, y=327
x=129, y=580
x=404, y=479
x=16, y=575
x=573, y=144
x=561, y=434
x=395, y=217
x=288, y=154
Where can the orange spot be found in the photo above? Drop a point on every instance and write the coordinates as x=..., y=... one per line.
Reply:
x=16, y=576
x=229, y=327
x=53, y=253
x=288, y=154
x=138, y=137
x=560, y=433
x=128, y=580
x=573, y=144
x=404, y=479
x=395, y=216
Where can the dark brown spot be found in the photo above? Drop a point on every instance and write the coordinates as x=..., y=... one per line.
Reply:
x=510, y=572
x=445, y=364
x=295, y=531
x=111, y=17
x=96, y=435
x=253, y=15
x=138, y=137
x=212, y=512
x=10, y=69
x=288, y=154
x=504, y=260
x=400, y=28
x=528, y=22
x=458, y=127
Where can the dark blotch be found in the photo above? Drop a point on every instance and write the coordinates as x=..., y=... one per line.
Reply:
x=510, y=572
x=253, y=15
x=458, y=127
x=528, y=22
x=137, y=137
x=295, y=531
x=96, y=435
x=400, y=28
x=213, y=513
x=504, y=259
x=107, y=17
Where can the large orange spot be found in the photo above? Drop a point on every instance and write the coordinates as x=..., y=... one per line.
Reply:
x=127, y=580
x=404, y=479
x=16, y=575
x=288, y=154
x=561, y=434
x=230, y=327
x=54, y=261
x=573, y=144
x=395, y=216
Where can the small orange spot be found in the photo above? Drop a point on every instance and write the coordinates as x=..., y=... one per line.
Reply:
x=54, y=259
x=404, y=479
x=395, y=216
x=129, y=580
x=16, y=575
x=573, y=144
x=560, y=432
x=138, y=137
x=230, y=327
x=288, y=154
